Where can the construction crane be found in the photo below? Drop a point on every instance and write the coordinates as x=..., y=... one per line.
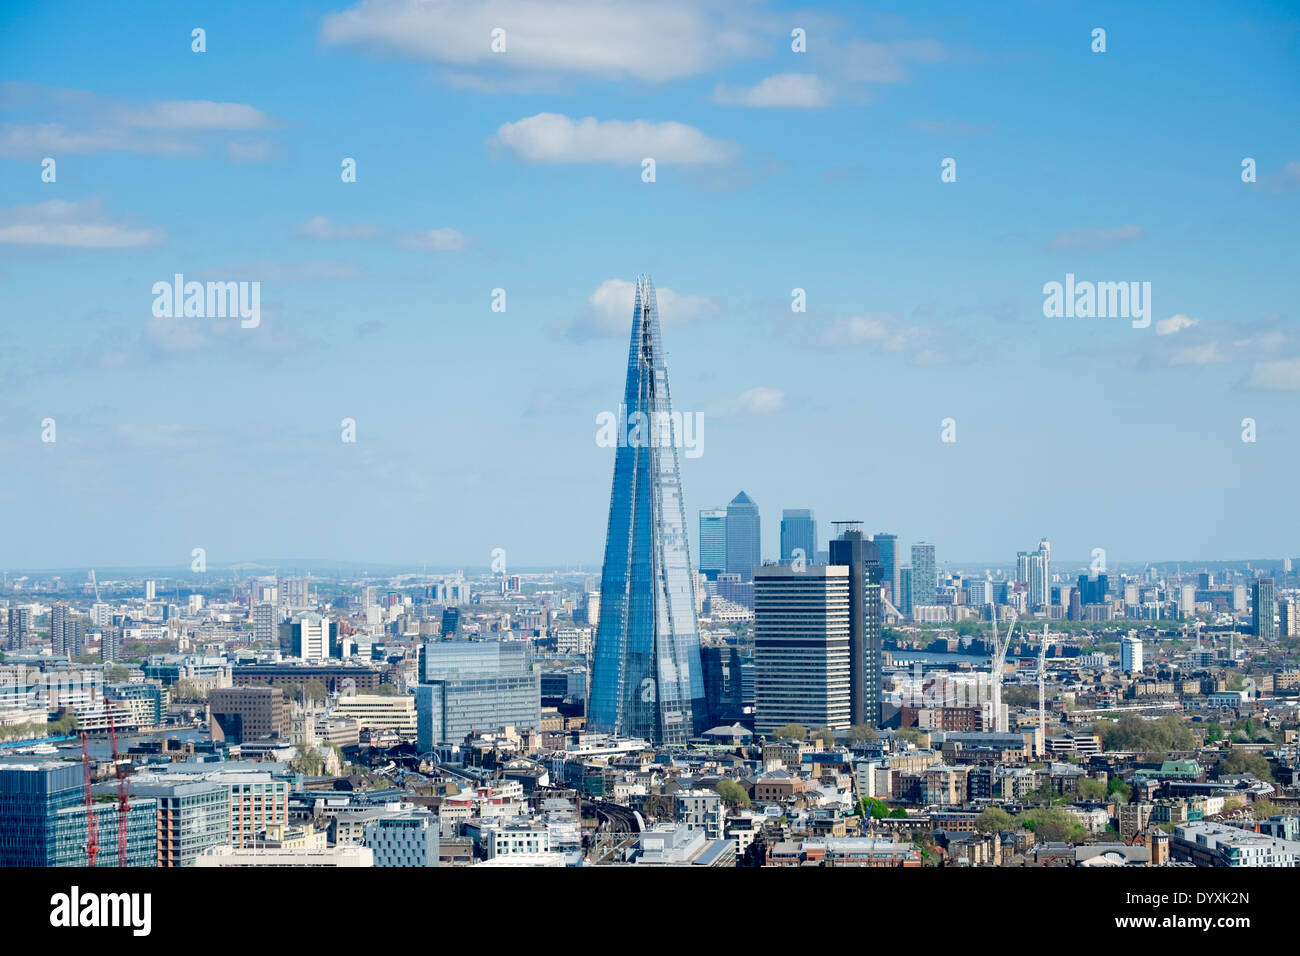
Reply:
x=1042, y=697
x=119, y=768
x=92, y=830
x=999, y=661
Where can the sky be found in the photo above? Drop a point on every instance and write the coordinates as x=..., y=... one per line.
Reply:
x=522, y=170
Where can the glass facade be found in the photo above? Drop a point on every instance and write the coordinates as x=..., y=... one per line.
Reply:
x=475, y=685
x=43, y=820
x=646, y=679
x=743, y=537
x=798, y=530
x=713, y=542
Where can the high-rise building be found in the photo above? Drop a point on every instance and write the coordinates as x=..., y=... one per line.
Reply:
x=264, y=623
x=798, y=531
x=1093, y=590
x=722, y=684
x=862, y=558
x=245, y=714
x=475, y=685
x=1290, y=613
x=925, y=579
x=713, y=542
x=67, y=632
x=744, y=551
x=887, y=544
x=311, y=636
x=1040, y=575
x=20, y=627
x=904, y=604
x=192, y=816
x=43, y=819
x=646, y=677
x=450, y=621
x=801, y=647
x=1263, y=609
x=1130, y=654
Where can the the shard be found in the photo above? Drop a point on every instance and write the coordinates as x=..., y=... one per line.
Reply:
x=646, y=679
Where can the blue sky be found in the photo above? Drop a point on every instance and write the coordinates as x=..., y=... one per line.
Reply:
x=521, y=170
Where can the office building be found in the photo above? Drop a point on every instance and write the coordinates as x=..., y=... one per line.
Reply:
x=862, y=557
x=798, y=532
x=723, y=685
x=264, y=623
x=245, y=714
x=1263, y=609
x=43, y=820
x=450, y=622
x=904, y=604
x=925, y=580
x=646, y=678
x=1093, y=589
x=713, y=542
x=192, y=816
x=380, y=712
x=312, y=637
x=744, y=538
x=475, y=685
x=20, y=627
x=409, y=838
x=887, y=545
x=801, y=647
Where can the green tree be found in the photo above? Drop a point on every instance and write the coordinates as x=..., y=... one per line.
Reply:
x=314, y=690
x=1213, y=732
x=732, y=793
x=1244, y=761
x=307, y=761
x=116, y=674
x=795, y=731
x=870, y=806
x=994, y=820
x=1263, y=809
x=1053, y=825
x=825, y=735
x=898, y=813
x=1090, y=788
x=862, y=733
x=913, y=735
x=1119, y=788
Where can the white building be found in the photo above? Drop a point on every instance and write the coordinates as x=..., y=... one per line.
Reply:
x=409, y=838
x=1130, y=654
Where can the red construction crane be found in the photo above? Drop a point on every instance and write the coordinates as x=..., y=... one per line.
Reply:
x=92, y=831
x=120, y=769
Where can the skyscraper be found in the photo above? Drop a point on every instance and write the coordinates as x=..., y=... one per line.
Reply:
x=798, y=530
x=713, y=542
x=862, y=558
x=888, y=545
x=646, y=677
x=925, y=581
x=904, y=604
x=801, y=648
x=1264, y=607
x=743, y=538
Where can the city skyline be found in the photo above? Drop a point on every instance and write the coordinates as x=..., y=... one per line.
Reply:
x=817, y=172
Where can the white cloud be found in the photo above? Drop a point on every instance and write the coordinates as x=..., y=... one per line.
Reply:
x=784, y=90
x=855, y=331
x=648, y=40
x=759, y=400
x=609, y=310
x=78, y=122
x=320, y=227
x=553, y=138
x=1281, y=374
x=1174, y=324
x=1205, y=354
x=439, y=240
x=918, y=344
x=80, y=225
x=1089, y=239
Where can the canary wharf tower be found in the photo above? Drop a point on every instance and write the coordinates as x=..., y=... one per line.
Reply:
x=646, y=679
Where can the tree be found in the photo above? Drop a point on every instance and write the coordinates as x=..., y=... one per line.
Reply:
x=1213, y=732
x=912, y=735
x=825, y=735
x=1263, y=809
x=898, y=813
x=795, y=731
x=1118, y=787
x=994, y=820
x=732, y=793
x=314, y=690
x=1090, y=788
x=307, y=761
x=862, y=733
x=1054, y=825
x=870, y=806
x=1245, y=761
x=116, y=674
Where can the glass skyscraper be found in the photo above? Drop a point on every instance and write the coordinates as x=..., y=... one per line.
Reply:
x=889, y=566
x=713, y=542
x=646, y=678
x=798, y=530
x=743, y=539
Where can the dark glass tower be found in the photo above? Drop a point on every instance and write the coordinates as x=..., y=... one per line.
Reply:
x=863, y=559
x=646, y=679
x=798, y=530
